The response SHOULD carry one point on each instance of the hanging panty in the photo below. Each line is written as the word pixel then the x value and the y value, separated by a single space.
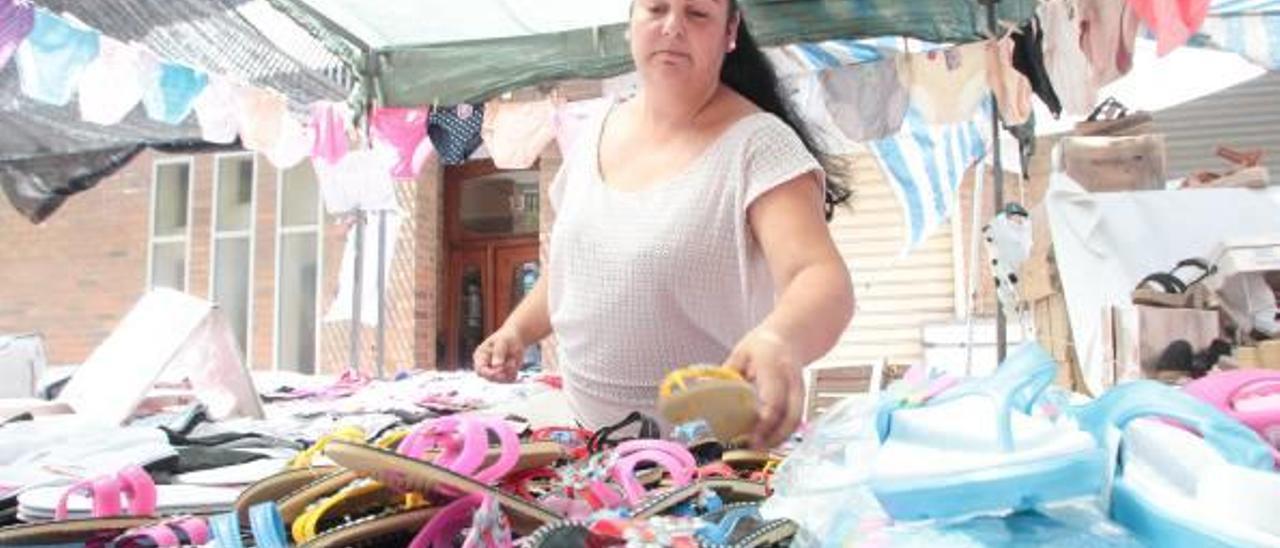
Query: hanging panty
pixel 16 20
pixel 516 132
pixel 1108 29
pixel 946 85
pixel 1172 21
pixel 806 94
pixel 403 130
pixel 329 124
pixel 258 113
pixel 455 132
pixel 1028 59
pixel 292 146
pixel 866 101
pixel 360 181
pixel 1013 91
pixel 114 82
pixel 174 94
pixel 1025 133
pixel 572 117
pixel 216 111
pixel 1067 65
pixel 53 57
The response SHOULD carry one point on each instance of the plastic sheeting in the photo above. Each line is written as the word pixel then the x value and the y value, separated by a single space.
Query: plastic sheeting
pixel 483 52
pixel 48 153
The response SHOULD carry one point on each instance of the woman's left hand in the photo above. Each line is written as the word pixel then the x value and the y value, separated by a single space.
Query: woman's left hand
pixel 765 359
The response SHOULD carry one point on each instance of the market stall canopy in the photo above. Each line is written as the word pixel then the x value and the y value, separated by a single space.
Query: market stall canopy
pixel 48 152
pixel 435 52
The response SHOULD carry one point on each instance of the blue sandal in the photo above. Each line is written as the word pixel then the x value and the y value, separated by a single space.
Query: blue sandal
pixel 1136 499
pixel 978 447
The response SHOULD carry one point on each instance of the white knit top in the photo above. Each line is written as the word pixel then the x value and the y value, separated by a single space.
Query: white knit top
pixel 643 282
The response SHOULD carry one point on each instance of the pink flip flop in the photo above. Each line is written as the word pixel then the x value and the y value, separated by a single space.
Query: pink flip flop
pixel 1247 395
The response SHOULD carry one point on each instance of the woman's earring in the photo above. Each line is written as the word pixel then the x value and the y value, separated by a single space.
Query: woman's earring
pixel 733 46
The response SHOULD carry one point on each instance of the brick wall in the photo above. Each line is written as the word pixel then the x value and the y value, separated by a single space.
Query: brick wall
pixel 75 276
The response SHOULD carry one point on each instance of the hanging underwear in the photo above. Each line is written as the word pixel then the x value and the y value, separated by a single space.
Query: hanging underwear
pixel 517 132
pixel 1066 63
pixel 174 94
pixel 1012 90
pixel 867 101
pixel 216 111
pixel 455 132
pixel 329 129
pixel 1173 21
pixel 808 99
pixel 1108 30
pixel 1028 58
pixel 114 82
pixel 571 118
pixel 259 113
pixel 53 57
pixel 946 85
pixel 16 22
pixel 293 144
pixel 404 130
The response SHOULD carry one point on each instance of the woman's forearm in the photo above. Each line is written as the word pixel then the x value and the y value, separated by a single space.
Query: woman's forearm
pixel 813 310
pixel 532 318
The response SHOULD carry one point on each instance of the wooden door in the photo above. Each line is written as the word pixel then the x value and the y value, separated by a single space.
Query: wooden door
pixel 515 270
pixel 469 316
pixel 491 229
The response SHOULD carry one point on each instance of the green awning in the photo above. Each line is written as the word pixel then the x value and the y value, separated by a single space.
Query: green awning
pixel 442 52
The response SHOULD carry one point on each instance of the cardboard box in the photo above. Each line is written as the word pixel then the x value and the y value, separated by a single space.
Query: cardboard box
pixel 1134 337
pixel 1258 254
pixel 1115 164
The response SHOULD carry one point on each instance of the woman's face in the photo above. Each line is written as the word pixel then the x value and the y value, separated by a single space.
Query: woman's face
pixel 678 42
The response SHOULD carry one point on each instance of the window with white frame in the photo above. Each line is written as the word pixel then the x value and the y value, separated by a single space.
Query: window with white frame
pixel 298 256
pixel 170 214
pixel 232 270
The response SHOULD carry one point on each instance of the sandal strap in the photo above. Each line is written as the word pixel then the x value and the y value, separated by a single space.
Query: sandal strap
pixel 1168 282
pixel 103 491
pixel 440 531
pixel 648 430
pixel 225 529
pixel 138 489
pixel 267 525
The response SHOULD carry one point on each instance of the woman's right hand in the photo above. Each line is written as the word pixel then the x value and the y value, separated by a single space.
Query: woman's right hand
pixel 500 356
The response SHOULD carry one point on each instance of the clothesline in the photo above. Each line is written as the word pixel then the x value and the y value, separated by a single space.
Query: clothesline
pixel 924 155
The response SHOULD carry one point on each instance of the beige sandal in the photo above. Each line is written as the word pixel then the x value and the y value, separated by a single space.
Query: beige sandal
pixel 717 395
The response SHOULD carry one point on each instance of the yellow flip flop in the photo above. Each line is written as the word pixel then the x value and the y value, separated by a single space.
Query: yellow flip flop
pixel 715 394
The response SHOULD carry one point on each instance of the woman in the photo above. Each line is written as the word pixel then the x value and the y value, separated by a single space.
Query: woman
pixel 689 229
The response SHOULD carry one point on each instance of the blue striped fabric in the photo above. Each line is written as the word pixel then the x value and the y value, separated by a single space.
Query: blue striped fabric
pixel 1238 7
pixel 1254 37
pixel 925 164
pixel 1250 28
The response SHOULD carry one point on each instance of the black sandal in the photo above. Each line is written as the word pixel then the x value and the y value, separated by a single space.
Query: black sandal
pixel 603 438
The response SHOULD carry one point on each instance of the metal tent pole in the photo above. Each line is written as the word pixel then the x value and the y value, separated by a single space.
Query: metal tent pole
pixel 997 179
pixel 356 291
pixel 382 289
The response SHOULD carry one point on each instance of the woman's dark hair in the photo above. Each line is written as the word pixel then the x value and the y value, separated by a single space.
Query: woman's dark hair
pixel 747 71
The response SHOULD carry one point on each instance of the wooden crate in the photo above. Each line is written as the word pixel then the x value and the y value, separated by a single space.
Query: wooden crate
pixel 1041 288
pixel 1053 332
pixel 829 385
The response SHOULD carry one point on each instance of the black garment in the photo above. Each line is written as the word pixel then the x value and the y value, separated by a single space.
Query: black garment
pixel 232 440
pixel 1028 58
pixel 454 135
pixel 1025 133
